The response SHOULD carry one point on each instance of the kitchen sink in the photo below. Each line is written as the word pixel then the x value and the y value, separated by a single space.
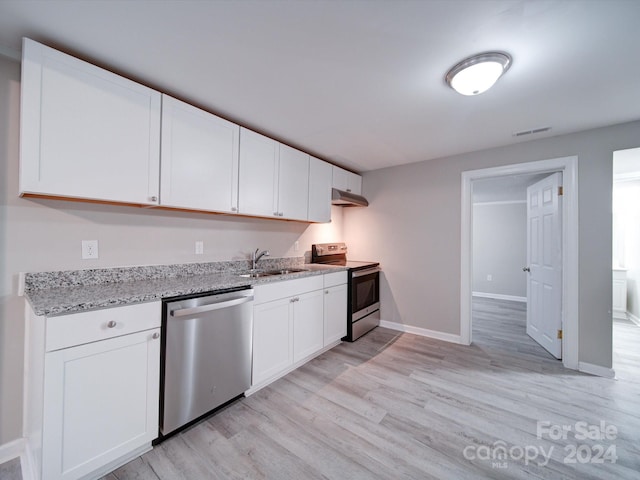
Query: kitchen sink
pixel 271 273
pixel 285 271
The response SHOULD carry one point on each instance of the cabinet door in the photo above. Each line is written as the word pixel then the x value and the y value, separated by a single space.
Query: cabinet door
pixel 272 339
pixel 354 183
pixel 335 313
pixel 308 330
pixel 320 181
pixel 100 403
pixel 86 132
pixel 293 183
pixel 199 167
pixel 258 187
pixel 347 181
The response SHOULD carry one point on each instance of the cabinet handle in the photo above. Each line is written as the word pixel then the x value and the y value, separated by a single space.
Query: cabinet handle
pixel 234 209
pixel 154 199
pixel 275 214
pixel 326 292
pixel 348 190
pixel 111 324
pixel 155 336
pixel 280 214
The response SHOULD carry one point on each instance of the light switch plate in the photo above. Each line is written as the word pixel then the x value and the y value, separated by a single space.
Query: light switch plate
pixel 199 247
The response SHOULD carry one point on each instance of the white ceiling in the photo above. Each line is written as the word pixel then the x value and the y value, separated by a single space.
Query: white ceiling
pixel 360 83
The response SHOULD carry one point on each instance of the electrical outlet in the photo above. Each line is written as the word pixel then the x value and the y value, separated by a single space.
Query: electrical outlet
pixel 489 278
pixel 199 247
pixel 89 249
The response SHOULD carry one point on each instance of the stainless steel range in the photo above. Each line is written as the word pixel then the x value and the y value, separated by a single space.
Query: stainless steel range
pixel 363 312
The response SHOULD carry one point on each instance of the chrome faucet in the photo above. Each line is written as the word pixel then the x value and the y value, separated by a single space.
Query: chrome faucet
pixel 257 256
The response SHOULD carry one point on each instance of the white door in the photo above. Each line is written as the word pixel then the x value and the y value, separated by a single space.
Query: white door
pixel 86 132
pixel 335 313
pixel 544 252
pixel 293 183
pixel 308 324
pixel 100 403
pixel 258 187
pixel 199 167
pixel 320 179
pixel 272 339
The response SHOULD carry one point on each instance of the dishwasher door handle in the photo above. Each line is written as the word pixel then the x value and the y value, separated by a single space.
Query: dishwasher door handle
pixel 208 308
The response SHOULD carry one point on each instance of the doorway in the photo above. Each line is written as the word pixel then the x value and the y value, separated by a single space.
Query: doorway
pixel 568 167
pixel 626 260
pixel 516 260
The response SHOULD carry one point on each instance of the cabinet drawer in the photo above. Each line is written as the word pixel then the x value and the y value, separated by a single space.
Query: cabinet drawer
pixel 288 288
pixel 79 328
pixel 333 279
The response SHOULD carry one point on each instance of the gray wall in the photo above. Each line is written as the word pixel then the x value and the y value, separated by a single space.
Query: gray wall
pixel 500 248
pixel 42 235
pixel 413 227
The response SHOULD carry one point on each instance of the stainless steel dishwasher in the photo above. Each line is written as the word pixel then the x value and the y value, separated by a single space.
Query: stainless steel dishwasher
pixel 206 359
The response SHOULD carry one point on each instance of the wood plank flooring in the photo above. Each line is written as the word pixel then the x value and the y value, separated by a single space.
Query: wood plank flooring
pixel 399 406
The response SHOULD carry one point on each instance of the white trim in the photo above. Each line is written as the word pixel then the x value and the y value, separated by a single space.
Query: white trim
pixel 626 177
pixel 423 332
pixel 504 202
pixel 633 318
pixel 570 300
pixel 11 450
pixel 597 370
pixel 499 296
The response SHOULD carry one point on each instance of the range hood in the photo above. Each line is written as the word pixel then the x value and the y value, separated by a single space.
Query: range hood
pixel 347 199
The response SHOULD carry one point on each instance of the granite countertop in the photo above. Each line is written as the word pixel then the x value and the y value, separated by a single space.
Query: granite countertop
pixel 71 298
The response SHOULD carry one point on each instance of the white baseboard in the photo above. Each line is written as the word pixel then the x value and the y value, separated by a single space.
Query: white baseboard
pixel 423 332
pixel 597 370
pixel 499 296
pixel 633 318
pixel 11 450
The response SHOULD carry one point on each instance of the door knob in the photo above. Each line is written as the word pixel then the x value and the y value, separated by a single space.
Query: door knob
pixel 526 269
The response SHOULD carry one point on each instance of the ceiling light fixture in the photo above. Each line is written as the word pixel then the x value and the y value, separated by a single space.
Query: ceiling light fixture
pixel 478 73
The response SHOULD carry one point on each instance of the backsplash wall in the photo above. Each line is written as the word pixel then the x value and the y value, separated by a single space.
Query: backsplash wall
pixel 45 235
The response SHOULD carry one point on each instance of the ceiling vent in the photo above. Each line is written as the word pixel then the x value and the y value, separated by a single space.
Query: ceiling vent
pixel 522 133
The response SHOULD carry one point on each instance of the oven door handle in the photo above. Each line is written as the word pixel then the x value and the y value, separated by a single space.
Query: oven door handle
pixel 362 273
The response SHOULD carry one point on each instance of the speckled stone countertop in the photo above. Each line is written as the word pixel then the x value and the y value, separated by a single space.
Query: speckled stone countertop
pixel 57 293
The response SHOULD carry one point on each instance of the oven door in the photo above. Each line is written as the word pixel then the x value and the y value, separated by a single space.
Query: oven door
pixel 365 292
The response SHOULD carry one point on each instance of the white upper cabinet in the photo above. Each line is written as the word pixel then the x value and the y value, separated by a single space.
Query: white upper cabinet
pixel 347 181
pixel 86 132
pixel 293 184
pixel 258 186
pixel 199 159
pixel 274 178
pixel 320 182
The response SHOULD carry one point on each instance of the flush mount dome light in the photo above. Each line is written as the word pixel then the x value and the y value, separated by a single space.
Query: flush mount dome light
pixel 478 73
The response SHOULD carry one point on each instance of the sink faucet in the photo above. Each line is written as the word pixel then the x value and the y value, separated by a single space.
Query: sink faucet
pixel 257 256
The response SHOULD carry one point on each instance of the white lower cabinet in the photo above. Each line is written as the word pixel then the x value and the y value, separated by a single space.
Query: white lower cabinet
pixel 289 324
pixel 272 339
pixel 99 400
pixel 308 324
pixel 335 313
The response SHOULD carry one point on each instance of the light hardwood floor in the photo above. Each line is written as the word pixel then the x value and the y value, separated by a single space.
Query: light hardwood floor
pixel 393 406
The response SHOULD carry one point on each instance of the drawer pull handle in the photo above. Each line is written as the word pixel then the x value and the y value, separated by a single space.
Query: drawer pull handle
pixel 111 324
pixel 155 336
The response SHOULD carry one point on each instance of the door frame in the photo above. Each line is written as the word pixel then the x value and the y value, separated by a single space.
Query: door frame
pixel 570 301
